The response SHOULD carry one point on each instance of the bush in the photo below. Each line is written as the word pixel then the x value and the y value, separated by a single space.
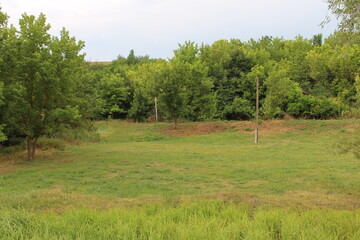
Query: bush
pixel 86 132
pixel 140 107
pixel 240 109
pixel 352 113
pixel 51 143
pixel 313 107
pixel 11 149
pixel 349 146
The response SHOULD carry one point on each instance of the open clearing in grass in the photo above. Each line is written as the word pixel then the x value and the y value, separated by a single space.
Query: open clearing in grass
pixel 294 161
pixel 139 166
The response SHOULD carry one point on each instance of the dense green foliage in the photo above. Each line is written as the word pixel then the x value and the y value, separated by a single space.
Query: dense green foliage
pixel 303 78
pixel 43 86
pixel 347 12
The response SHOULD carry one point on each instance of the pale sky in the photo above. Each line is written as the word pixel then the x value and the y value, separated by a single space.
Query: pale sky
pixel 155 27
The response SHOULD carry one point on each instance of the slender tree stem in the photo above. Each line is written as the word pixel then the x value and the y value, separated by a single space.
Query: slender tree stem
pixel 257 111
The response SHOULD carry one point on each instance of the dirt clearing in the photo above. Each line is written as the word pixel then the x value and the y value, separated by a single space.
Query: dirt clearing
pixel 204 128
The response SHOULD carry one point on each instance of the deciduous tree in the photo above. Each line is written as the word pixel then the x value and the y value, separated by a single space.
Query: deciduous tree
pixel 347 12
pixel 44 79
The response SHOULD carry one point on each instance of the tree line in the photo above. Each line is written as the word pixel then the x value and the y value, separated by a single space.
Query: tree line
pixel 304 78
pixel 47 86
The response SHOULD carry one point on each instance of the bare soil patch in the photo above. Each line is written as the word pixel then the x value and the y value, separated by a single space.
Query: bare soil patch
pixel 204 128
pixel 195 129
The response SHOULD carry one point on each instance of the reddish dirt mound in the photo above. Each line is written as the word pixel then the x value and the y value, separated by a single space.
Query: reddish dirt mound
pixel 195 129
pixel 268 127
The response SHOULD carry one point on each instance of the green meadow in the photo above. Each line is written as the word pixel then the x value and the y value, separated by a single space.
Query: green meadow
pixel 202 181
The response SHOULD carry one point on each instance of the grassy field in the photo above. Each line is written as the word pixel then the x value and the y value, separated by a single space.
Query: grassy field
pixel 202 181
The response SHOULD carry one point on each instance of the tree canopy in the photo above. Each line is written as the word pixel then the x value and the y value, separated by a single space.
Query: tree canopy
pixel 347 12
pixel 40 76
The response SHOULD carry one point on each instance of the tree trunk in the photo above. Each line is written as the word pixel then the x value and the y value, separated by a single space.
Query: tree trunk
pixel 257 112
pixel 28 146
pixel 175 123
pixel 31 148
pixel 34 148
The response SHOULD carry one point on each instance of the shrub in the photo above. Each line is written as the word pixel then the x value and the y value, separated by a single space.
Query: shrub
pixel 240 109
pixel 349 146
pixel 84 132
pixel 313 107
pixel 140 107
pixel 45 143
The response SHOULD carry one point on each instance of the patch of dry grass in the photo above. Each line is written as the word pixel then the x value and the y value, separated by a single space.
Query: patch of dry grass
pixel 266 128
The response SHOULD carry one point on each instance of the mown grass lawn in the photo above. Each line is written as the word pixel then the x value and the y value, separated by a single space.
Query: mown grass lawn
pixel 292 176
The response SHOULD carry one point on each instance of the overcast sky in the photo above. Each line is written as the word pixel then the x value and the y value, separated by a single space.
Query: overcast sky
pixel 155 27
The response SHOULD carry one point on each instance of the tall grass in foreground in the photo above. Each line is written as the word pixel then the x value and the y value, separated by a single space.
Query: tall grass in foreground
pixel 196 220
